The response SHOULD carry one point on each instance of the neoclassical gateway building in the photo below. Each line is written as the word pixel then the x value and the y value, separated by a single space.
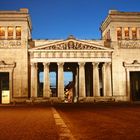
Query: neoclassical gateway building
pixel 101 70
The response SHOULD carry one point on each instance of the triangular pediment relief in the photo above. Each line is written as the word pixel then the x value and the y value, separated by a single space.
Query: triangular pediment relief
pixel 71 44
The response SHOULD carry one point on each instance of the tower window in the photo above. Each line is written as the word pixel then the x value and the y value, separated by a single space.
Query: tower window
pixel 126 33
pixel 10 32
pixel 18 32
pixel 134 33
pixel 2 32
pixel 119 33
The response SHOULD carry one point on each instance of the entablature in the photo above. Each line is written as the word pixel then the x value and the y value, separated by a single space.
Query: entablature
pixel 71 54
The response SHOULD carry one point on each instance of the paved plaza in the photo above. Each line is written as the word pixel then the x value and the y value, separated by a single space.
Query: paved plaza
pixel 102 121
pixel 27 123
pixel 70 122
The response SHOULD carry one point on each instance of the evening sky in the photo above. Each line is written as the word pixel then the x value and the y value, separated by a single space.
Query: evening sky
pixel 57 19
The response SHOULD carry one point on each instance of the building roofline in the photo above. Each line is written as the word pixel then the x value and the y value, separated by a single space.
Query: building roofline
pixel 12 15
pixel 119 16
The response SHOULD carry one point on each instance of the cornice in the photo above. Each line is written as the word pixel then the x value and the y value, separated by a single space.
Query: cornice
pixel 117 16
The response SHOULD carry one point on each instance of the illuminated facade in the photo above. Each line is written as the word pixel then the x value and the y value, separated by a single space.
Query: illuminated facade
pixel 101 70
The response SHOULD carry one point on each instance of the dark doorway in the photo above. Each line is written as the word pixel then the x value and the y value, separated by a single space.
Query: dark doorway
pixel 135 86
pixel 4 83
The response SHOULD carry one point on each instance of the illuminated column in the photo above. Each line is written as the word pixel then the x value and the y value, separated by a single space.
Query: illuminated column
pixel 76 85
pixel 14 32
pixel 82 92
pixel 103 78
pixel 46 86
pixel 34 80
pixel 123 34
pixel 106 73
pixel 108 80
pixel 137 33
pixel 130 33
pixel 6 33
pixel 96 88
pixel 60 86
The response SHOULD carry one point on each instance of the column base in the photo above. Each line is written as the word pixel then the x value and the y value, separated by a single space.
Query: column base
pixel 81 99
pixel 47 100
pixel 55 100
pixel 99 99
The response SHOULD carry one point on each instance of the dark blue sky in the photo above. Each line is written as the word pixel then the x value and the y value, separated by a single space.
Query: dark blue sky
pixel 57 19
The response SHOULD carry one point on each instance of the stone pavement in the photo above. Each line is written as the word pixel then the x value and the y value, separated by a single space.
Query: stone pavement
pixel 70 122
pixel 63 131
pixel 32 122
pixel 104 121
pixel 27 123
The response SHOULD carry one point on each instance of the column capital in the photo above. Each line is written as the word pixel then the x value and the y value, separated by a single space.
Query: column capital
pixel 46 64
pixel 34 64
pixel 60 63
pixel 81 63
pixel 95 64
pixel 108 64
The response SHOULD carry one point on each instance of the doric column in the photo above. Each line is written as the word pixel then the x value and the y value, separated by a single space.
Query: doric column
pixel 34 80
pixel 46 86
pixel 96 88
pixel 106 74
pixel 82 92
pixel 108 79
pixel 60 83
pixel 76 85
pixel 103 78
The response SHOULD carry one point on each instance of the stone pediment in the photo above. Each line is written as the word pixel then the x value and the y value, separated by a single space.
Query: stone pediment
pixel 71 44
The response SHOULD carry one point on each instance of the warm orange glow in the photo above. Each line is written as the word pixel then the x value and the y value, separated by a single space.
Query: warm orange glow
pixel 2 32
pixel 134 33
pixel 119 29
pixel 126 29
pixel 10 28
pixel 10 32
pixel 18 32
pixel 119 33
pixel 126 32
pixel 134 29
pixel 18 28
